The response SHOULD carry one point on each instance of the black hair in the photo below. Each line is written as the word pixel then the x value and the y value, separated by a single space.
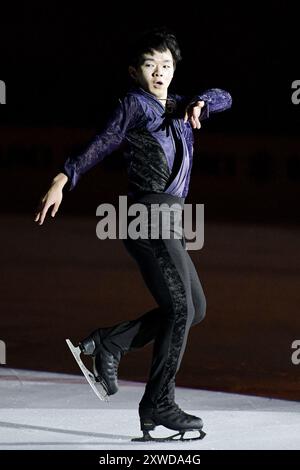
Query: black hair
pixel 159 39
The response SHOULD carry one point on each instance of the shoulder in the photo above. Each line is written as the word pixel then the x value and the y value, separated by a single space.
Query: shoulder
pixel 130 99
pixel 130 104
pixel 129 110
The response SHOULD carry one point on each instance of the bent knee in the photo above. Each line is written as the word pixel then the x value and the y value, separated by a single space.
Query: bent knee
pixel 200 312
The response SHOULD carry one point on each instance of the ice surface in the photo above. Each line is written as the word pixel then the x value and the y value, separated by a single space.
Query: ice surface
pixel 40 410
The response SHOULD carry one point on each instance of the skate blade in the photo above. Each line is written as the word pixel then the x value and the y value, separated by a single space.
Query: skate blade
pixel 96 386
pixel 174 437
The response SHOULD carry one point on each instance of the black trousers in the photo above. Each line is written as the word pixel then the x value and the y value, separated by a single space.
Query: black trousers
pixel 172 279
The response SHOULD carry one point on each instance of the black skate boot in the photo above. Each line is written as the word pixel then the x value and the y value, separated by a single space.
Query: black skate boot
pixel 167 413
pixel 172 417
pixel 105 364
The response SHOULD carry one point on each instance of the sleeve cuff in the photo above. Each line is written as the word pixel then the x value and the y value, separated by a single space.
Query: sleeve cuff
pixel 69 184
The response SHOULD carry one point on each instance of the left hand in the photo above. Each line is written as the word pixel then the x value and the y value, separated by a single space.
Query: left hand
pixel 193 112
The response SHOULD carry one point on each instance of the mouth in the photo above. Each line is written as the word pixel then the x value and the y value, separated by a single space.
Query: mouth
pixel 158 83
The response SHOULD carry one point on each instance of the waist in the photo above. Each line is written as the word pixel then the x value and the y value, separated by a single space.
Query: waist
pixel 159 198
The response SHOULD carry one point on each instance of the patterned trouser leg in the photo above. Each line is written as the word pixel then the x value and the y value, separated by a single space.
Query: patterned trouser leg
pixel 171 277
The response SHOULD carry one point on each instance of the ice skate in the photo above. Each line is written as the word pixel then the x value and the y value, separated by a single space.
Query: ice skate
pixel 98 386
pixel 171 417
pixel 105 364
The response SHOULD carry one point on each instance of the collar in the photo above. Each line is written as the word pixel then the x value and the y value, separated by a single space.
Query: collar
pixel 150 96
pixel 170 102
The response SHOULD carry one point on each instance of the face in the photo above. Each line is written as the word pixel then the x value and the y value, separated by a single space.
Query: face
pixel 155 73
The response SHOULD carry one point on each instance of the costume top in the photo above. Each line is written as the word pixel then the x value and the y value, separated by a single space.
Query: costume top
pixel 157 145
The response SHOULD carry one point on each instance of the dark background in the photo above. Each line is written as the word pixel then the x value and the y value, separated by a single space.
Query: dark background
pixel 64 66
pixel 60 58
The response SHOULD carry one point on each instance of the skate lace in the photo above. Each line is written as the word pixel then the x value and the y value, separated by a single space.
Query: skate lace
pixel 116 365
pixel 171 406
pixel 116 362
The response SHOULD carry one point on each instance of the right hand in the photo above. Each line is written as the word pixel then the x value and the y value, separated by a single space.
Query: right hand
pixel 52 198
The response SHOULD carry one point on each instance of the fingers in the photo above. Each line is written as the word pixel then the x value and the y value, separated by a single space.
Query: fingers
pixel 37 215
pixel 55 209
pixel 193 114
pixel 200 105
pixel 52 198
pixel 41 213
pixel 195 122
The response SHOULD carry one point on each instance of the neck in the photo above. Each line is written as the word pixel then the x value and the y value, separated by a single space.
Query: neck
pixel 163 101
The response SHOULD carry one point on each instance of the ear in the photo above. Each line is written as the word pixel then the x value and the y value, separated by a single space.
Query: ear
pixel 132 72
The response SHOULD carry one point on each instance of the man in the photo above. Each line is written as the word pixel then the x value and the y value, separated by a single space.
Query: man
pixel 155 128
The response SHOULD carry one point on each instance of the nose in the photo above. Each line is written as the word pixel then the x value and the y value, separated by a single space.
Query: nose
pixel 158 72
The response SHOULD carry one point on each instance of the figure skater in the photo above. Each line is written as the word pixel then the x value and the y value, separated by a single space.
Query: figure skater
pixel 155 129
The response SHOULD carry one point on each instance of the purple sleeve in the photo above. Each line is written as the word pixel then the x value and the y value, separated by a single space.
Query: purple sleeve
pixel 125 116
pixel 216 100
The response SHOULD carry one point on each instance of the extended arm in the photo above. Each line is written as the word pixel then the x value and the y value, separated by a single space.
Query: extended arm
pixel 201 106
pixel 126 115
pixel 215 101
